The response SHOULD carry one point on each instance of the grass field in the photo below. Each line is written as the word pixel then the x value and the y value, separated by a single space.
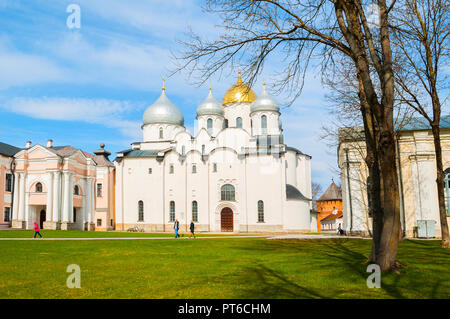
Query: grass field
pixel 217 268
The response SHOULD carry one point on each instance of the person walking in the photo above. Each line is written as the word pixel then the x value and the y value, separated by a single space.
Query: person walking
pixel 192 227
pixel 176 226
pixel 36 230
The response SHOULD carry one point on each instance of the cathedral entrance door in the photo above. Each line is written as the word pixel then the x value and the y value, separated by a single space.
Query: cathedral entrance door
pixel 226 220
pixel 42 219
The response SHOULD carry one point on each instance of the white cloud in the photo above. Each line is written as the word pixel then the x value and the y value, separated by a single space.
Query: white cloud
pixel 109 113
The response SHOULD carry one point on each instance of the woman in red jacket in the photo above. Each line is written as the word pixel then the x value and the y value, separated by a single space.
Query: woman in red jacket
pixel 36 230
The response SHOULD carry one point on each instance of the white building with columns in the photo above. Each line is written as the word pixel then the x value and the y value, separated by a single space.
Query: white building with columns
pixel 234 175
pixel 419 213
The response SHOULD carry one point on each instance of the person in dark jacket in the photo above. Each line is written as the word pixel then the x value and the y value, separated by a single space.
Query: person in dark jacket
pixel 176 226
pixel 192 227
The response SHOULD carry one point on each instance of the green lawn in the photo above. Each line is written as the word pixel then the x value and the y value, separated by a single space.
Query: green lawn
pixel 217 268
pixel 94 234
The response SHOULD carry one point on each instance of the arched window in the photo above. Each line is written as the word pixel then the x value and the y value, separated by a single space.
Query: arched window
pixel 171 169
pixel 260 211
pixel 447 190
pixel 38 188
pixel 161 133
pixel 225 124
pixel 239 122
pixel 194 211
pixel 227 192
pixel 209 125
pixel 264 124
pixel 140 211
pixel 183 150
pixel 76 190
pixel 172 211
pixel 203 149
pixel 194 169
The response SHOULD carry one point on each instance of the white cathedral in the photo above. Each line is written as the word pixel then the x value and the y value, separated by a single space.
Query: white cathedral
pixel 235 175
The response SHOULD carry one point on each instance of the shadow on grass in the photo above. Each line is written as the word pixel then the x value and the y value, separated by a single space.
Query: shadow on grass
pixel 266 282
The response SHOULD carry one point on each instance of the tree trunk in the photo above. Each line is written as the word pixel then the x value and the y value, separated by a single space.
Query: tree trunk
pixel 387 253
pixel 440 185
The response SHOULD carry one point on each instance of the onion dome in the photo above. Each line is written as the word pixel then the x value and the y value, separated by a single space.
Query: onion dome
pixel 264 102
pixel 239 93
pixel 210 106
pixel 163 111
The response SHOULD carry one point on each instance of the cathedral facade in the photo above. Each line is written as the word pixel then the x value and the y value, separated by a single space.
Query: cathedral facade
pixel 234 175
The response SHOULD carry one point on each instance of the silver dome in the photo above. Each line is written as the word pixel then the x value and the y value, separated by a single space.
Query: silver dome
pixel 163 111
pixel 264 102
pixel 210 106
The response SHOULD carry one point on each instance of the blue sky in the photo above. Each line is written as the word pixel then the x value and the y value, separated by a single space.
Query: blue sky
pixel 85 86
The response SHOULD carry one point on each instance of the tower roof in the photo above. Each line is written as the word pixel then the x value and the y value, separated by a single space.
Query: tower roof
pixel 264 102
pixel 239 93
pixel 210 106
pixel 333 192
pixel 163 111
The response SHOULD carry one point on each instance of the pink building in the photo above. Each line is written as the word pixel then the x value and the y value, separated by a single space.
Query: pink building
pixel 62 187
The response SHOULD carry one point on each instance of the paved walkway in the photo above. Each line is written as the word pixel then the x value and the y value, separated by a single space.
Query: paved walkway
pixel 135 238
pixel 324 236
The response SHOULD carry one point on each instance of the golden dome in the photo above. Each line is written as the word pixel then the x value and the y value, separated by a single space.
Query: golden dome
pixel 239 93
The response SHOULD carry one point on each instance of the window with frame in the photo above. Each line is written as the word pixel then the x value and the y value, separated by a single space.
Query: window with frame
pixel 260 211
pixel 99 222
pixel 225 123
pixel 112 222
pixel 239 122
pixel 203 149
pixel 99 190
pixel 7 214
pixel 183 150
pixel 194 211
pixel 172 212
pixel 38 188
pixel 140 211
pixel 447 190
pixel 263 124
pixel 76 190
pixel 228 192
pixel 171 169
pixel 209 125
pixel 161 133
pixel 194 169
pixel 150 171
pixel 8 182
pixel 215 167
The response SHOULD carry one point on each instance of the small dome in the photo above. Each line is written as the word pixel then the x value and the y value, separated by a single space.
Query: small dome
pixel 264 102
pixel 210 106
pixel 239 93
pixel 163 111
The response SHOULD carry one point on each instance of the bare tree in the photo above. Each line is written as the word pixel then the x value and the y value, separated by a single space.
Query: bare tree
pixel 421 32
pixel 305 29
pixel 316 190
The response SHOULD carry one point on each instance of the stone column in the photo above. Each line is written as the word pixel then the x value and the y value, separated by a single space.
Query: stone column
pixel 16 197
pixel 71 198
pixel 22 197
pixel 49 208
pixel 65 212
pixel 56 217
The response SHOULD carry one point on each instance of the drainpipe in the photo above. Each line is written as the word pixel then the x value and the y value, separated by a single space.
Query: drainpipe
pixel 402 200
pixel 13 170
pixel 349 190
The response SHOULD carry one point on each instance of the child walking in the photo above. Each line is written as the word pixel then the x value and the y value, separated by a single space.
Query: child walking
pixel 36 230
